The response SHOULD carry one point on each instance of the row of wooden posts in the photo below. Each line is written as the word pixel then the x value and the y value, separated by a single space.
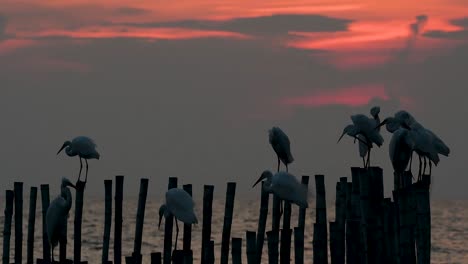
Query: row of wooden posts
pixel 368 228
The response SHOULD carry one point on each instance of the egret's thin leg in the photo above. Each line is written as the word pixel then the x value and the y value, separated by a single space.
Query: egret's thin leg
pixel 86 178
pixel 177 232
pixel 81 168
pixel 278 163
pixel 368 157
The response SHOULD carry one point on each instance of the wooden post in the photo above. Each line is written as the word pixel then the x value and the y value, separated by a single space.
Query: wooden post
pixel 31 225
pixel 272 237
pixel 340 219
pixel 119 180
pixel 334 242
pixel 423 241
pixel 178 257
pixel 207 215
pixel 275 223
pixel 228 209
pixel 251 247
pixel 376 200
pixel 364 189
pixel 168 226
pixel 285 244
pixel 18 189
pixel 236 250
pixel 395 224
pixel 187 228
pixel 79 197
pixel 320 227
pixel 140 219
pixel 156 258
pixel 302 210
pixel 299 245
pixel 262 222
pixel 210 253
pixel 353 221
pixel 45 205
pixel 107 220
pixel 388 237
pixel 9 197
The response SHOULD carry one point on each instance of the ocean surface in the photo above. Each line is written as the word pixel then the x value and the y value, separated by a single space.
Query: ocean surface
pixel 449 229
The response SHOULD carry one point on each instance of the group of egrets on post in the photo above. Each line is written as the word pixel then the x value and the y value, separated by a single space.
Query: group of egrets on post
pixel 408 136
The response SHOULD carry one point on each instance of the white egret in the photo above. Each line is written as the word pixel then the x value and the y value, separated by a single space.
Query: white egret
pixel 281 145
pixel 285 186
pixel 400 150
pixel 57 215
pixel 366 127
pixel 179 204
pixel 363 147
pixel 84 148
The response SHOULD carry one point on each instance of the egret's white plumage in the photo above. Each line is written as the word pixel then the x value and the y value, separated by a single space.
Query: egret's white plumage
pixel 57 215
pixel 281 145
pixel 285 186
pixel 400 149
pixel 84 148
pixel 363 143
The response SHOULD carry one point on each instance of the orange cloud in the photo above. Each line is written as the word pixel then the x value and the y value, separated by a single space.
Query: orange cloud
pixel 352 96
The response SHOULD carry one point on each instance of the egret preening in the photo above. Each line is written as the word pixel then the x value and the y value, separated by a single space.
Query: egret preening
pixel 365 126
pixel 281 145
pixel 57 215
pixel 180 205
pixel 363 143
pixel 84 148
pixel 285 186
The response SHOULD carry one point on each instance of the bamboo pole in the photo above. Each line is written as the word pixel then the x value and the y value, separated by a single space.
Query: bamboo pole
pixel 251 247
pixel 272 237
pixel 156 258
pixel 236 250
pixel 9 198
pixel 107 220
pixel 79 198
pixel 31 225
pixel 45 205
pixel 168 226
pixel 18 189
pixel 207 216
pixel 262 222
pixel 285 244
pixel 119 180
pixel 299 245
pixel 320 226
pixel 228 209
pixel 187 227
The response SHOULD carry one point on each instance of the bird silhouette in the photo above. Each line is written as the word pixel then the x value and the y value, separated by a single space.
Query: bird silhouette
pixel 84 148
pixel 281 145
pixel 57 215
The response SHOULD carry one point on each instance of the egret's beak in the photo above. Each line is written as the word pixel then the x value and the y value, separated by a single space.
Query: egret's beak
pixel 341 137
pixel 63 146
pixel 263 176
pixel 385 121
pixel 160 218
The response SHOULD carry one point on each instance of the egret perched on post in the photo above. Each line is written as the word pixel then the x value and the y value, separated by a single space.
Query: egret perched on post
pixel 400 150
pixel 363 147
pixel 57 215
pixel 281 145
pixel 179 204
pixel 84 148
pixel 366 127
pixel 285 186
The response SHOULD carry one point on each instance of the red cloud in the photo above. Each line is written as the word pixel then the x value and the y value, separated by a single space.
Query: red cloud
pixel 352 96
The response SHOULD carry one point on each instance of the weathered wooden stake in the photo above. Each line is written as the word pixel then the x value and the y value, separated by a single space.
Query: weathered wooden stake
pixel 156 258
pixel 45 205
pixel 262 222
pixel 168 226
pixel 340 220
pixel 275 223
pixel 364 189
pixel 299 245
pixel 107 220
pixel 285 244
pixel 207 216
pixel 31 225
pixel 9 197
pixel 236 250
pixel 334 242
pixel 178 257
pixel 119 180
pixel 273 240
pixel 423 241
pixel 140 219
pixel 228 209
pixel 18 189
pixel 187 246
pixel 79 197
pixel 320 227
pixel 251 247
pixel 210 253
pixel 302 211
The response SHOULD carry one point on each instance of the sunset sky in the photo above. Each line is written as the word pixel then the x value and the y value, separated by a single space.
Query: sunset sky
pixel 190 88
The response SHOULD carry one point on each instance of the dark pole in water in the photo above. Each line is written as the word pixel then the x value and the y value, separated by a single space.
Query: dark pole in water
pixel 423 241
pixel 18 188
pixel 79 197
pixel 228 209
pixel 31 225
pixel 207 215
pixel 236 250
pixel 168 228
pixel 139 221
pixel 275 225
pixel 299 245
pixel 107 220
pixel 262 222
pixel 340 218
pixel 187 243
pixel 272 237
pixel 251 247
pixel 334 254
pixel 364 190
pixel 320 227
pixel 156 258
pixel 302 210
pixel 285 244
pixel 9 197
pixel 45 205
pixel 119 180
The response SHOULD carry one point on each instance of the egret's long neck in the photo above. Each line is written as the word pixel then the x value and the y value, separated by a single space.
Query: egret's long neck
pixel 66 194
pixel 377 120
